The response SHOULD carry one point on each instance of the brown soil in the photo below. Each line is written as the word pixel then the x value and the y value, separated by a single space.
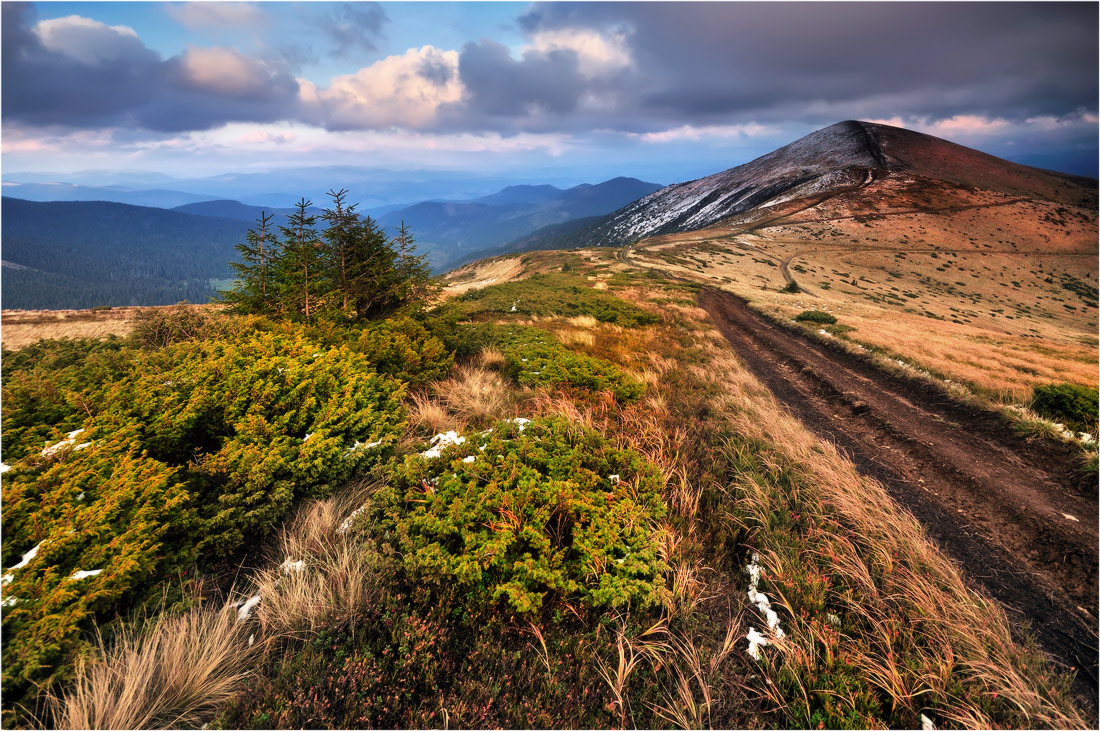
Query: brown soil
pixel 995 502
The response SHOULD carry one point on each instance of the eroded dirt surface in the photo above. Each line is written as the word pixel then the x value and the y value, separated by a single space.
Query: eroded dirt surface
pixel 1014 515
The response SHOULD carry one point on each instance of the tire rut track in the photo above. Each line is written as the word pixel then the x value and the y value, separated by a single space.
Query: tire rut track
pixel 992 501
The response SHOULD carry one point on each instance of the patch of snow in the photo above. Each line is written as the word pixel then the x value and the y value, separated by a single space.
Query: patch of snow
pixel 246 609
pixel 763 605
pixel 514 306
pixel 306 437
pixel 347 521
pixel 68 441
pixel 469 460
pixel 10 601
pixel 80 498
pixel 251 640
pixel 289 566
pixel 440 442
pixel 756 641
pixel 4 468
pixel 82 574
pixel 521 422
pixel 614 479
pixel 27 558
pixel 79 447
pixel 926 723
pixel 1067 516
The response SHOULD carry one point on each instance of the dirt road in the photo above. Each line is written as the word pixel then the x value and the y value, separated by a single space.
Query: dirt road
pixel 1013 515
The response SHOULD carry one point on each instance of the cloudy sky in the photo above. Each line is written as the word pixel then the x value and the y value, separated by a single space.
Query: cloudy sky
pixel 661 91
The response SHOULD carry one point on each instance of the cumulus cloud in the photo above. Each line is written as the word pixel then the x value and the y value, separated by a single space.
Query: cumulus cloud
pixel 598 54
pixel 398 91
pixel 723 63
pixel 227 72
pixel 89 41
pixel 78 72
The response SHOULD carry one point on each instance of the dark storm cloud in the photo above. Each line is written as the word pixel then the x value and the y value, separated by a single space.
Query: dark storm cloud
pixel 351 27
pixel 497 84
pixel 83 74
pixel 708 62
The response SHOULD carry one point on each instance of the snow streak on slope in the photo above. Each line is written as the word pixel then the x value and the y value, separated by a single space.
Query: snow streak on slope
pixel 700 203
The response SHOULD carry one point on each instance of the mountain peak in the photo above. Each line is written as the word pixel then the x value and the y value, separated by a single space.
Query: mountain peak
pixel 841 158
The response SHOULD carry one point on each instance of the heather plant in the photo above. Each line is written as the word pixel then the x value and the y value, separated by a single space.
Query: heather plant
pixel 527 513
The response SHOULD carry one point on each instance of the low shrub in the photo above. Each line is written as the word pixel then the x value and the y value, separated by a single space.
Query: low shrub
pixel 791 287
pixel 404 348
pixel 188 453
pixel 816 316
pixel 560 294
pixel 1075 406
pixel 535 358
pixel 530 511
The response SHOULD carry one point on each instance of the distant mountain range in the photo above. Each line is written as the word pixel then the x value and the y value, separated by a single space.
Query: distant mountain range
pixel 375 189
pixel 76 254
pixel 452 231
pixel 68 254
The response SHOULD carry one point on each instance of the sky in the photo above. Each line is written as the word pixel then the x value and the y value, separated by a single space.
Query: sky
pixel 564 91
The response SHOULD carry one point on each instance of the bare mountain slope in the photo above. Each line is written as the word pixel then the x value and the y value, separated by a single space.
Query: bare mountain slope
pixel 837 160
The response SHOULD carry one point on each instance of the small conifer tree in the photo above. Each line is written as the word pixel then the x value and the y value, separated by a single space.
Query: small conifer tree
pixel 256 288
pixel 303 282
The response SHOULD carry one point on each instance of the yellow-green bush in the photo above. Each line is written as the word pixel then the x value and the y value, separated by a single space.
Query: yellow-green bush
pixel 543 509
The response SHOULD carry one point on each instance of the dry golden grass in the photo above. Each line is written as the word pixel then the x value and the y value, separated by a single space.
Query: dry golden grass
pixel 482 274
pixel 981 297
pixel 324 576
pixel 474 393
pixel 585 321
pixel 21 328
pixel 173 673
pixel 577 337
pixel 491 358
pixel 427 414
pixel 915 589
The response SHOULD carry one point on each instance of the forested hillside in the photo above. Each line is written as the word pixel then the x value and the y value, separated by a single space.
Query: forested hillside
pixel 87 254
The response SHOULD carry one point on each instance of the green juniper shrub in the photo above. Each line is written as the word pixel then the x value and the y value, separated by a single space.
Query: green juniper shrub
pixel 815 316
pixel 404 348
pixel 561 293
pixel 103 508
pixel 791 288
pixel 534 357
pixel 53 386
pixel 195 450
pixel 1075 406
pixel 527 512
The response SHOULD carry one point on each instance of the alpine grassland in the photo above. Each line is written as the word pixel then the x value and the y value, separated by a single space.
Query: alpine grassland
pixel 557 500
